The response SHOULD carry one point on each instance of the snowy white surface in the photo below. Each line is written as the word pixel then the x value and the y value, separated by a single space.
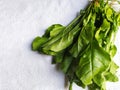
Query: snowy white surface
pixel 20 22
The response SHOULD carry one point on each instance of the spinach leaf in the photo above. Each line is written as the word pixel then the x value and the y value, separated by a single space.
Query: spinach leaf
pixel 84 49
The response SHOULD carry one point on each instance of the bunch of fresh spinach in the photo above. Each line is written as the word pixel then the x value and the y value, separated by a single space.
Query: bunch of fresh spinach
pixel 85 48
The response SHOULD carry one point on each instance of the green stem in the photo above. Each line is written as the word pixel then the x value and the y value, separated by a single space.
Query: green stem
pixel 70 87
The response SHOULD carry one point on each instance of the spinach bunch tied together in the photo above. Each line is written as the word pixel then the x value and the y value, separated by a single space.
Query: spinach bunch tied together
pixel 84 49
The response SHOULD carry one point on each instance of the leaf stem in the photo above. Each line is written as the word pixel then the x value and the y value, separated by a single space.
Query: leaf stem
pixel 70 87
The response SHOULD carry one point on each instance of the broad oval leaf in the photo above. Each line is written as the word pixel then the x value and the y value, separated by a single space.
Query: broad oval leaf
pixel 92 61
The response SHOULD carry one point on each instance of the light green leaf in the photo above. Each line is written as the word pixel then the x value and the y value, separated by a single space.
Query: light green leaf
pixel 56 29
pixel 53 30
pixel 113 50
pixel 100 80
pixel 92 61
pixel 118 19
pixel 63 42
pixel 102 32
pixel 38 42
pixel 109 13
pixel 84 37
pixel 110 77
pixel 113 67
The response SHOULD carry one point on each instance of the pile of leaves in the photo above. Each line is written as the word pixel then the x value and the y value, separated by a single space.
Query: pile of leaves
pixel 84 49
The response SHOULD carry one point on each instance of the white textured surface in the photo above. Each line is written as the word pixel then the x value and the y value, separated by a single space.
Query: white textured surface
pixel 20 22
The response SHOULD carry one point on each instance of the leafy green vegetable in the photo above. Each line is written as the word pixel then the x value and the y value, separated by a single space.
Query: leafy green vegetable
pixel 91 63
pixel 85 48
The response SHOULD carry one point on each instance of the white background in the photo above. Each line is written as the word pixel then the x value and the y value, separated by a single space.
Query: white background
pixel 20 22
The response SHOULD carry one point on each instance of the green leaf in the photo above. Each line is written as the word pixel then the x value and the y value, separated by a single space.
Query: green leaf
pixel 56 30
pixel 58 58
pixel 110 77
pixel 53 30
pixel 100 80
pixel 92 61
pixel 84 37
pixel 38 42
pixel 81 43
pixel 109 13
pixel 68 34
pixel 70 74
pixel 50 32
pixel 102 32
pixel 93 86
pixel 113 50
pixel 65 64
pixel 113 67
pixel 118 19
pixel 63 42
